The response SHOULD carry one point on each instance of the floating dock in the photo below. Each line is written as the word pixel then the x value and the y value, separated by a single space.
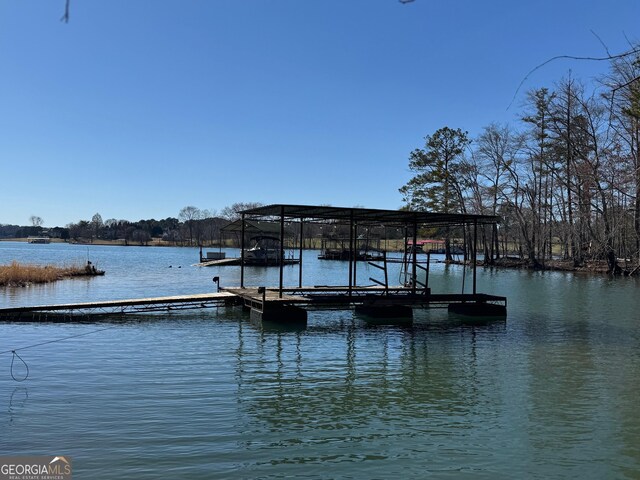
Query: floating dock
pixel 120 307
pixel 336 297
pixel 260 300
pixel 224 262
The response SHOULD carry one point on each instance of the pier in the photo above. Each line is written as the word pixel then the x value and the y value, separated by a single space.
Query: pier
pixel 373 297
pixel 69 311
pixel 292 304
pixel 258 299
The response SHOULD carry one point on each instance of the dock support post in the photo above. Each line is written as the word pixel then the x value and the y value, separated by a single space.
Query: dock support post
pixel 414 258
pixel 281 250
pixel 473 255
pixel 350 252
pixel 405 255
pixel 426 282
pixel 242 252
pixel 300 253
pixel 356 250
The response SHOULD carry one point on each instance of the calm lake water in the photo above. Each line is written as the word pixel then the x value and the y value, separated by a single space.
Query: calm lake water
pixel 552 392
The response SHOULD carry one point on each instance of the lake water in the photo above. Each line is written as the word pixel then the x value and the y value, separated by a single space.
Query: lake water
pixel 552 392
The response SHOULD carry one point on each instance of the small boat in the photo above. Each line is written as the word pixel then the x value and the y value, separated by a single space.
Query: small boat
pixel 334 248
pixel 265 251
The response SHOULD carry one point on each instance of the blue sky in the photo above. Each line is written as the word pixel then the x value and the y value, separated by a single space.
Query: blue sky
pixel 136 109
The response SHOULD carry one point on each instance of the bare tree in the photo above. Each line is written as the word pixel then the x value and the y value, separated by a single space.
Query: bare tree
pixel 496 150
pixel 36 221
pixel 623 96
pixel 631 53
pixel 188 215
pixel 96 224
pixel 232 212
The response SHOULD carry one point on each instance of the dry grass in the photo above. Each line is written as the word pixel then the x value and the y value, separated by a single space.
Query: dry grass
pixel 19 275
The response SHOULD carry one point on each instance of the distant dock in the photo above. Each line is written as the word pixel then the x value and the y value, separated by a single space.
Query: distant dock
pixel 38 239
pixel 224 262
pixel 219 259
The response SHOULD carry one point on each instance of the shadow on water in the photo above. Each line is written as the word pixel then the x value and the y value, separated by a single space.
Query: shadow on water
pixel 479 321
pixel 268 326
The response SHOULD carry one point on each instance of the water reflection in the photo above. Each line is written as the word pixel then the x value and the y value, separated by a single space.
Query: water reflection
pixel 550 393
pixel 370 385
pixel 17 401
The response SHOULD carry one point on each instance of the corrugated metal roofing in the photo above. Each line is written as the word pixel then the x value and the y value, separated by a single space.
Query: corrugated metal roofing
pixel 365 215
pixel 252 227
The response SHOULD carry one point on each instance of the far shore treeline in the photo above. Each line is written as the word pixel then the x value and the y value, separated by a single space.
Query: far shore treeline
pixel 192 226
pixel 564 181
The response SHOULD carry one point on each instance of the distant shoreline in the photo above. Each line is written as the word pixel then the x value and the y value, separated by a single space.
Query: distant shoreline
pixel 116 243
pixel 508 262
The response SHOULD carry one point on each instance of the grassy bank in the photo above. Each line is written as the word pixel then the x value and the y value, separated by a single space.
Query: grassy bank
pixel 19 275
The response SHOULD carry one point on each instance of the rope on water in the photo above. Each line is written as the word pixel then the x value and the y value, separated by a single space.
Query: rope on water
pixel 15 354
pixel 25 365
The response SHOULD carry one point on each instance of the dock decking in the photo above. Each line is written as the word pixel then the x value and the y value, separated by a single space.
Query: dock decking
pixel 325 296
pixel 223 262
pixel 309 298
pixel 134 305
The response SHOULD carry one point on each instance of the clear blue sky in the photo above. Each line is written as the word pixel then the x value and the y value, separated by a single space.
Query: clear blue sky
pixel 135 109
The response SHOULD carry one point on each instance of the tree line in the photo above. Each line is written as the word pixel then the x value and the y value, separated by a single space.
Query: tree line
pixel 193 226
pixel 565 180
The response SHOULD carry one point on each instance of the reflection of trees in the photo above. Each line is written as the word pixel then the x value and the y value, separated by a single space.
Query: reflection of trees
pixel 581 400
pixel 559 391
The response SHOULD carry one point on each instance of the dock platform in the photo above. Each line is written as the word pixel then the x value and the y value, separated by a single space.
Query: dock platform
pixel 224 262
pixel 110 307
pixel 258 299
pixel 324 296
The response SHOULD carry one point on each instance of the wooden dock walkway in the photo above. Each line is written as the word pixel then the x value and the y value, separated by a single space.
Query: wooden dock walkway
pixel 134 305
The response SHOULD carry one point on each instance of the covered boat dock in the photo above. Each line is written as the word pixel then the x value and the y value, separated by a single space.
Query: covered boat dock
pixel 289 302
